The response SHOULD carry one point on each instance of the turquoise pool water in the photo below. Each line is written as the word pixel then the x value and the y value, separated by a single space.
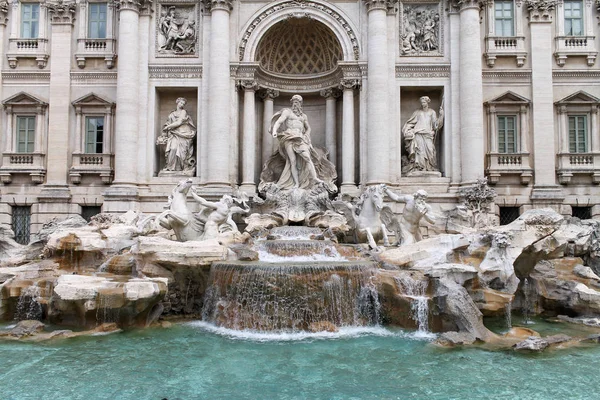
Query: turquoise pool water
pixel 195 361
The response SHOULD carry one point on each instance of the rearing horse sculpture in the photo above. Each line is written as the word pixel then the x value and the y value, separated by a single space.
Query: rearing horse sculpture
pixel 186 225
pixel 369 217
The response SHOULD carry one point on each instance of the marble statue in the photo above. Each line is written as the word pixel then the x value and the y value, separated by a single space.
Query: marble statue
pixel 368 218
pixel 420 29
pixel 419 134
pixel 408 225
pixel 178 135
pixel 178 31
pixel 213 219
pixel 296 164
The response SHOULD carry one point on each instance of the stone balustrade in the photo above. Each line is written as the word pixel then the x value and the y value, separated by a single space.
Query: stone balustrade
pixel 32 164
pixel 509 164
pixel 505 46
pixel 92 164
pixel 567 46
pixel 28 48
pixel 96 48
pixel 569 164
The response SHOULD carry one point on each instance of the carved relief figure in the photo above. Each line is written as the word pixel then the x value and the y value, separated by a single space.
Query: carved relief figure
pixel 177 29
pixel 178 138
pixel 420 29
pixel 297 164
pixel 408 225
pixel 419 134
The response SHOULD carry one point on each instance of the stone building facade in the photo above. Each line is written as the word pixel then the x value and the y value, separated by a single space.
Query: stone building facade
pixel 88 86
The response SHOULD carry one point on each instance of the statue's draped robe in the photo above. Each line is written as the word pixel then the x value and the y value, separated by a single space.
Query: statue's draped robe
pixel 278 168
pixel 180 150
pixel 419 134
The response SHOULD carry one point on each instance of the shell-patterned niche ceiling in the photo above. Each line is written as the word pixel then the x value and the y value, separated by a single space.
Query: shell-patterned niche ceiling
pixel 299 46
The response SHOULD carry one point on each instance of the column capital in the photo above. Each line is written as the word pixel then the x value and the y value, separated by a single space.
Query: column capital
pixel 133 5
pixel 61 12
pixel 247 85
pixel 460 5
pixel 385 5
pixel 3 12
pixel 330 93
pixel 540 10
pixel 562 109
pixel 226 5
pixel 269 94
pixel 349 84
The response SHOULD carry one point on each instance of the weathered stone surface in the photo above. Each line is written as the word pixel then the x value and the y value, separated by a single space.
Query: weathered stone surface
pixel 244 253
pixel 170 254
pixel 533 343
pixel 585 272
pixel 450 339
pixel 72 222
pixel 436 248
pixel 24 328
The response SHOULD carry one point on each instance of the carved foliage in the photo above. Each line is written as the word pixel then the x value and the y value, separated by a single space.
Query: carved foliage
pixel 421 29
pixel 61 12
pixel 540 10
pixel 177 30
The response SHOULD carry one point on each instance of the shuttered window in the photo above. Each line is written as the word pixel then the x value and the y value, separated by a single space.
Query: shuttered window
pixel 578 133
pixel 507 133
pixel 504 17
pixel 573 18
pixel 30 20
pixel 97 21
pixel 94 134
pixel 25 134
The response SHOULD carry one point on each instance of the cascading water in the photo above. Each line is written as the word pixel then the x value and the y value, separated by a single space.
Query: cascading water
pixel 416 290
pixel 508 315
pixel 291 296
pixel 28 306
pixel 526 302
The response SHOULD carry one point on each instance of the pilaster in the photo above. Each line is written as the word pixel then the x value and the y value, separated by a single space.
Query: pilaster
pixel 268 144
pixel 348 86
pixel 249 136
pixel 330 96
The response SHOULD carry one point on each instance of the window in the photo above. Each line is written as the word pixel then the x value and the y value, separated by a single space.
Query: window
pixel 508 215
pixel 21 220
pixel 577 133
pixel 507 133
pixel 94 134
pixel 97 21
pixel 87 212
pixel 30 20
pixel 25 134
pixel 582 212
pixel 503 16
pixel 573 18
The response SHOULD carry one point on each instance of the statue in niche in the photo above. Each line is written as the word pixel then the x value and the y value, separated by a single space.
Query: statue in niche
pixel 177 136
pixel 420 29
pixel 296 164
pixel 178 31
pixel 407 227
pixel 419 134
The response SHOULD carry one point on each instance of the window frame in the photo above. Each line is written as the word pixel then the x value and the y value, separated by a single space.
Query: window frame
pixel 30 133
pixel 586 132
pixel 515 118
pixel 581 18
pixel 86 132
pixel 89 33
pixel 504 19
pixel 21 237
pixel 22 21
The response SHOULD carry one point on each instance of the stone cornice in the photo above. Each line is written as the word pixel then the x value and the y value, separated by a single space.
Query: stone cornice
pixel 422 71
pixel 61 12
pixel 540 10
pixel 175 71
pixel 349 84
pixel 226 5
pixel 27 76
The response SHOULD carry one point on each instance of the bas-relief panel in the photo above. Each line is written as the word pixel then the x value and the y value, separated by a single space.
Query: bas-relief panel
pixel 421 28
pixel 177 29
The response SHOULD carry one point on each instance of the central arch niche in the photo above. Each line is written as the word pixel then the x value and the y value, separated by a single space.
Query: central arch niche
pixel 299 47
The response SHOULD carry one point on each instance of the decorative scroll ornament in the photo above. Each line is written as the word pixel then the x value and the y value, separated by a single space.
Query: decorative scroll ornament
pixel 61 12
pixel 3 11
pixel 386 5
pixel 247 84
pixel 349 84
pixel 459 5
pixel 269 94
pixel 540 10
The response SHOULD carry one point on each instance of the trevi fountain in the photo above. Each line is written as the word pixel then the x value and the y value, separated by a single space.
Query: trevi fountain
pixel 302 292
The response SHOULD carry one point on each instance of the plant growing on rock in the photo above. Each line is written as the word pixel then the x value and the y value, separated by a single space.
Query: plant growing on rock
pixel 478 199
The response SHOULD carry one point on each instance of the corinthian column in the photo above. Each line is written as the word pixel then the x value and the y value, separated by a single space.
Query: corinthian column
pixel 61 19
pixel 378 130
pixel 249 137
pixel 219 106
pixel 126 120
pixel 348 134
pixel 330 128
pixel 470 92
pixel 268 144
pixel 544 151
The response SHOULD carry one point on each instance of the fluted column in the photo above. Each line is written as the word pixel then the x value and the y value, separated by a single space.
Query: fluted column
pixel 544 150
pixel 348 135
pixel 268 144
pixel 61 20
pixel 249 137
pixel 378 130
pixel 126 120
pixel 219 107
pixel 470 92
pixel 330 96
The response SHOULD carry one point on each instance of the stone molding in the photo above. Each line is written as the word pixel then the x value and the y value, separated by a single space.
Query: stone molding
pixel 330 93
pixel 93 78
pixel 422 71
pixel 225 5
pixel 540 10
pixel 299 85
pixel 574 74
pixel 27 76
pixel 288 6
pixel 506 74
pixel 61 12
pixel 175 71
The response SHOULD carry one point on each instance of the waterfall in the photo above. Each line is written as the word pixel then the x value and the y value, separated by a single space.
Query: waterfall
pixel 291 296
pixel 507 314
pixel 28 306
pixel 416 291
pixel 526 302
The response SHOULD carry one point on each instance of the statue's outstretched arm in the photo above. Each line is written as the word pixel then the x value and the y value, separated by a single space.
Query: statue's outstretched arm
pixel 397 198
pixel 429 216
pixel 202 201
